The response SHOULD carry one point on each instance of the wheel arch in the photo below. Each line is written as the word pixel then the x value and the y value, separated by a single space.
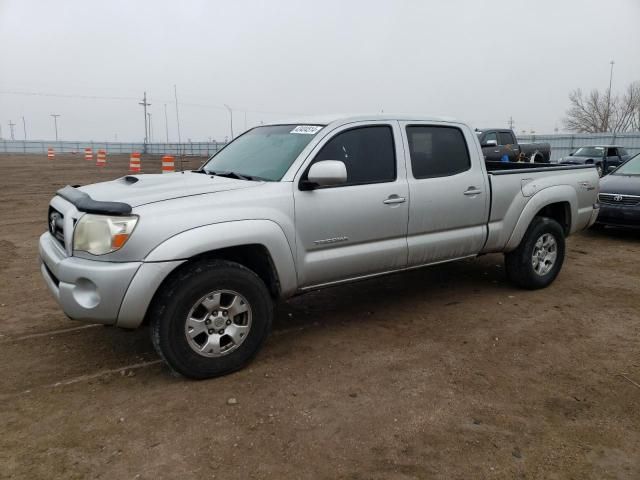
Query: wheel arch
pixel 267 254
pixel 556 202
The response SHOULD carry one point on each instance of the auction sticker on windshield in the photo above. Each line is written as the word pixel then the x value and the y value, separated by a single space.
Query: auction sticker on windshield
pixel 306 129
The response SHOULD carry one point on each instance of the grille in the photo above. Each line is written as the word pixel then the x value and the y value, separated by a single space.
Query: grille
pixel 619 199
pixel 56 225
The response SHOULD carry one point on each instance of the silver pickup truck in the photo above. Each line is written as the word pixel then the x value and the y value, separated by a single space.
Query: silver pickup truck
pixel 285 208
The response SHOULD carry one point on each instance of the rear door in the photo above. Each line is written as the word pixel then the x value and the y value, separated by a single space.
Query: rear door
pixel 613 158
pixel 358 228
pixel 449 192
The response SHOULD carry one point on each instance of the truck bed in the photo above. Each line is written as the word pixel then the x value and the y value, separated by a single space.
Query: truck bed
pixel 506 168
pixel 513 185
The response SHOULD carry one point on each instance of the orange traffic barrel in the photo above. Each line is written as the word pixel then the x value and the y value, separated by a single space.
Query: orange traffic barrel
pixel 51 154
pixel 168 165
pixel 88 154
pixel 134 162
pixel 101 160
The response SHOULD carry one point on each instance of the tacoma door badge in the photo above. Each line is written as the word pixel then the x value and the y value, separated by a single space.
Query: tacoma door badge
pixel 331 240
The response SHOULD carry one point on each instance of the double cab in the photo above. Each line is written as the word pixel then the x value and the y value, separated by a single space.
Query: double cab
pixel 202 256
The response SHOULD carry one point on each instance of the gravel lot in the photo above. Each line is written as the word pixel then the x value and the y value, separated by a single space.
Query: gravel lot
pixel 446 372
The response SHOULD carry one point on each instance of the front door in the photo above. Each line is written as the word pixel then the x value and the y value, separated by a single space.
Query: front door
pixel 449 194
pixel 358 228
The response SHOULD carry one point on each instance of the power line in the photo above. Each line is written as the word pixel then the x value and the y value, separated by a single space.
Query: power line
pixel 63 95
pixel 102 97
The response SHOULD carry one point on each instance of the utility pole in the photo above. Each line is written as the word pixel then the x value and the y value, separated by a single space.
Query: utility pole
pixel 55 123
pixel 146 131
pixel 230 118
pixel 11 125
pixel 609 95
pixel 511 123
pixel 24 128
pixel 150 129
pixel 166 123
pixel 175 93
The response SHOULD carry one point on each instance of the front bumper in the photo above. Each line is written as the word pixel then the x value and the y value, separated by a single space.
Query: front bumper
pixel 87 290
pixel 619 215
pixel 111 293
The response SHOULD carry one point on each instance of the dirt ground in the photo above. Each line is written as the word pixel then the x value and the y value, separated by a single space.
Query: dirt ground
pixel 446 372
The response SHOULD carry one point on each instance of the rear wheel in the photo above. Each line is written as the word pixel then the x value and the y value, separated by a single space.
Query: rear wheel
pixel 211 319
pixel 539 257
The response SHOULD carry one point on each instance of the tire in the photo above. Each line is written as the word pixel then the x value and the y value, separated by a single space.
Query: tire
pixel 520 265
pixel 234 339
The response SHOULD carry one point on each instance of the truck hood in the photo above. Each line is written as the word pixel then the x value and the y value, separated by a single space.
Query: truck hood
pixel 623 184
pixel 139 190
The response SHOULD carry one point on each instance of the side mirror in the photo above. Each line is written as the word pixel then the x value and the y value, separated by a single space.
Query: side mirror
pixel 327 173
pixel 611 168
pixel 490 143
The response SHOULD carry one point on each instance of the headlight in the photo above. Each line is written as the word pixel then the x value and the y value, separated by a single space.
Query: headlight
pixel 100 234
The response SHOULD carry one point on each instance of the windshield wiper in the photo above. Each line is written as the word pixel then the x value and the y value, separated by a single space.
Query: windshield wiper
pixel 239 176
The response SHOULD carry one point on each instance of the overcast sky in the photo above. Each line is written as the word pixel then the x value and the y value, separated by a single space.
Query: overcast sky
pixel 479 61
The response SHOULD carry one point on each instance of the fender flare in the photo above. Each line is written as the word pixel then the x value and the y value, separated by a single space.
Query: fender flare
pixel 175 251
pixel 269 234
pixel 543 198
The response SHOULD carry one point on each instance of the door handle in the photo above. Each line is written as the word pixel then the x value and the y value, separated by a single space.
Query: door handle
pixel 393 199
pixel 472 191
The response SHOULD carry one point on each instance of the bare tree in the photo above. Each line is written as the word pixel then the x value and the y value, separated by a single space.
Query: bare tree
pixel 597 112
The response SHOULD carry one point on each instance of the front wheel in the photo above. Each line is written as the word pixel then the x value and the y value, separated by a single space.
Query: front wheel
pixel 539 257
pixel 211 319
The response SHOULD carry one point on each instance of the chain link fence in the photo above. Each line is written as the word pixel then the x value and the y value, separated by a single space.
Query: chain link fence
pixel 199 149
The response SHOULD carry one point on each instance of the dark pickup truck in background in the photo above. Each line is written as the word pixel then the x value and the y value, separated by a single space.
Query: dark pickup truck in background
pixel 498 142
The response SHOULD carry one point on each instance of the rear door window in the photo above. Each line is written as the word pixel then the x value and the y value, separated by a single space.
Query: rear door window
pixel 506 138
pixel 437 151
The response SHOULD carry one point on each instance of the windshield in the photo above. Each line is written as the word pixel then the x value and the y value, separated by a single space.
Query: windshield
pixel 263 152
pixel 590 152
pixel 630 167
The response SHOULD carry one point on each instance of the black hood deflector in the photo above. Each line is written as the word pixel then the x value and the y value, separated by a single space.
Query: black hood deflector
pixel 85 203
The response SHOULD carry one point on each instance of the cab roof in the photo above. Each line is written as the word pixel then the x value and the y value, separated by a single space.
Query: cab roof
pixel 349 118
